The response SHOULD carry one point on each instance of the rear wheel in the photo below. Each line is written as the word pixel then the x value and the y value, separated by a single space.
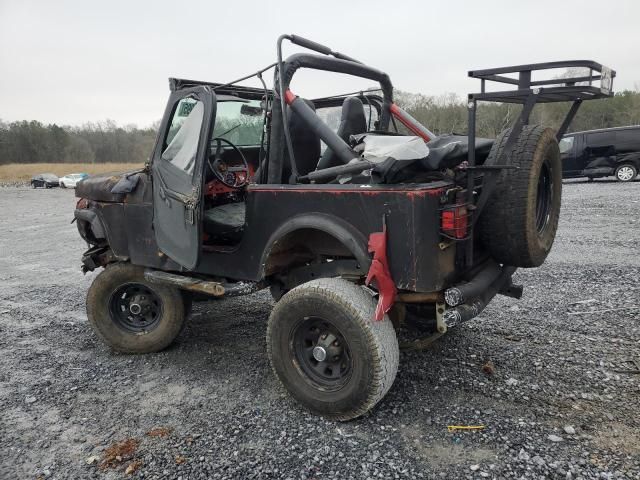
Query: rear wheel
pixel 519 223
pixel 328 351
pixel 626 172
pixel 132 315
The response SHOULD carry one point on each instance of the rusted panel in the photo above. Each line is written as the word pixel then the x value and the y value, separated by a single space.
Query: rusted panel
pixel 214 289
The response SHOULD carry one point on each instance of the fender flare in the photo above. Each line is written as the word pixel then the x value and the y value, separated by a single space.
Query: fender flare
pixel 345 233
pixel 633 158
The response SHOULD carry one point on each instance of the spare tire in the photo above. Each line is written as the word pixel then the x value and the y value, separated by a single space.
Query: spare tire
pixel 519 222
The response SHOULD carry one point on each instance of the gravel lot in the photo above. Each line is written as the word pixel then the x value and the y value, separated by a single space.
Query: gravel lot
pixel 557 405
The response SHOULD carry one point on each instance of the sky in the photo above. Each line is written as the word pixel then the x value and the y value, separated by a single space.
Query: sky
pixel 70 62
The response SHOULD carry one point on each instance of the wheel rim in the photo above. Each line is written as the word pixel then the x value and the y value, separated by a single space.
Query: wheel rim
pixel 135 307
pixel 625 173
pixel 321 353
pixel 544 198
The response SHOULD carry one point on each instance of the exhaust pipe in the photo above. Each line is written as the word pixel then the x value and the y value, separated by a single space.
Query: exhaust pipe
pixel 471 309
pixel 466 291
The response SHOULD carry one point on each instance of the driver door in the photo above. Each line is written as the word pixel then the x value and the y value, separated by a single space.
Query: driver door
pixel 177 168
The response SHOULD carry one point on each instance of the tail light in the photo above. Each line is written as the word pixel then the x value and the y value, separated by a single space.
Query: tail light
pixel 455 221
pixel 82 203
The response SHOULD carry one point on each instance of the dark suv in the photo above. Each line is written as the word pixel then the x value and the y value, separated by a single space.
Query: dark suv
pixel 602 153
pixel 358 230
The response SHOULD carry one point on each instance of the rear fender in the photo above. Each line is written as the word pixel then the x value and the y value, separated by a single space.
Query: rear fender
pixel 351 239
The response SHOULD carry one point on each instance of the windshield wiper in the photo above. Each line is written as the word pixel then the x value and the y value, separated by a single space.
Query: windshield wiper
pixel 228 131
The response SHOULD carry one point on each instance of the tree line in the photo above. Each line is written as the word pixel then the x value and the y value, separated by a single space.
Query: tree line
pixel 103 142
pixel 448 113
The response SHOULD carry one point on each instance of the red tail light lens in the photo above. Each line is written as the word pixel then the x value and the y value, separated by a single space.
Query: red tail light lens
pixel 455 222
pixel 82 203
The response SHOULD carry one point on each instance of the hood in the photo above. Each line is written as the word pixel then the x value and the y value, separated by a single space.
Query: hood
pixel 110 187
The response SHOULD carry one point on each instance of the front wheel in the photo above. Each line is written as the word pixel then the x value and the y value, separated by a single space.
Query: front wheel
pixel 626 172
pixel 328 350
pixel 132 315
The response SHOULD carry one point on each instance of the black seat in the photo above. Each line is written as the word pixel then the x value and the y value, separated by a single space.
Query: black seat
pixel 305 143
pixel 353 121
pixel 225 222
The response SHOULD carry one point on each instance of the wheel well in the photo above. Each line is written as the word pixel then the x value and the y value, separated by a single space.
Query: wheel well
pixel 302 246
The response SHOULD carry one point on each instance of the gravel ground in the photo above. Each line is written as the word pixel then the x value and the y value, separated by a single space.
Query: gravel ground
pixel 557 405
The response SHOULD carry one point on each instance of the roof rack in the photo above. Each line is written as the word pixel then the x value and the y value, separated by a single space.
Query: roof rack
pixel 528 93
pixel 559 89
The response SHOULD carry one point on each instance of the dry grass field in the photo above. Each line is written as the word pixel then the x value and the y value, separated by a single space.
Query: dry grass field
pixel 14 172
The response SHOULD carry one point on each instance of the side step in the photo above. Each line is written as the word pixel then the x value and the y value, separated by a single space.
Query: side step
pixel 214 289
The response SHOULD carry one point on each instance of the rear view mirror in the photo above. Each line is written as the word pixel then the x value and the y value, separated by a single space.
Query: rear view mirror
pixel 250 110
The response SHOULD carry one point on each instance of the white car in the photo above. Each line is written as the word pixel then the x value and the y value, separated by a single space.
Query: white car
pixel 72 179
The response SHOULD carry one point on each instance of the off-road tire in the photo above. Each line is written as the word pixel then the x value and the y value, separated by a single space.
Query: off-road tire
pixel 626 167
pixel 372 344
pixel 509 227
pixel 163 333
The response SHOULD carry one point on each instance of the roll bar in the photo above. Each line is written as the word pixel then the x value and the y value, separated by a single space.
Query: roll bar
pixel 340 63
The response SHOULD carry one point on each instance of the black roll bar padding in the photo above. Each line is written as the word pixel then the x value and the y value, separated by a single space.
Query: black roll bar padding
pixel 338 65
pixel 333 172
pixel 279 89
pixel 318 47
pixel 328 136
pixel 310 44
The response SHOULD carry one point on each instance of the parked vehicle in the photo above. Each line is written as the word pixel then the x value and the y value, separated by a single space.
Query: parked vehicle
pixel 380 229
pixel 602 153
pixel 46 180
pixel 71 180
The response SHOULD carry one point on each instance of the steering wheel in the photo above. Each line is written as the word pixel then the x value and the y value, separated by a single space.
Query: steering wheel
pixel 236 176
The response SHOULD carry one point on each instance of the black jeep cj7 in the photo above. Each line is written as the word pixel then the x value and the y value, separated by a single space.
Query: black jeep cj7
pixel 359 229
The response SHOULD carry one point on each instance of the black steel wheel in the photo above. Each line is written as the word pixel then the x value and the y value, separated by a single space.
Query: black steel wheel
pixel 544 197
pixel 135 307
pixel 132 315
pixel 328 350
pixel 321 352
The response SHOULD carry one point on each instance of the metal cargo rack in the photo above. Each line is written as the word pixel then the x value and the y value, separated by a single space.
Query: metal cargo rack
pixel 528 93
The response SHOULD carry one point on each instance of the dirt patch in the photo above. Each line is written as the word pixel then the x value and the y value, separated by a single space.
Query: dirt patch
pixel 160 432
pixel 118 453
pixel 619 437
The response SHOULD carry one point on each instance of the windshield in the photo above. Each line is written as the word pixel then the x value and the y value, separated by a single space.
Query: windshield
pixel 240 122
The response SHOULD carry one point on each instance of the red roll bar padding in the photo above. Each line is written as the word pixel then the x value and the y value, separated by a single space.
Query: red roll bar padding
pixel 411 123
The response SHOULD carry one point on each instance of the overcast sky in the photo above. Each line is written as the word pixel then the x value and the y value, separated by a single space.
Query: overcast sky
pixel 70 62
